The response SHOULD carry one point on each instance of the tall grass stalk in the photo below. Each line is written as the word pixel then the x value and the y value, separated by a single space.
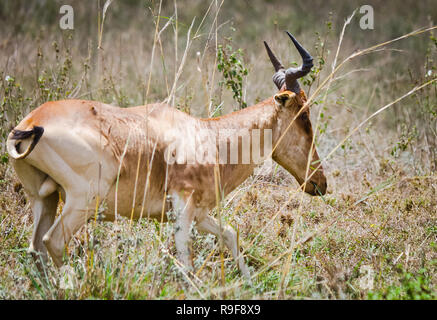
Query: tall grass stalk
pixel 153 51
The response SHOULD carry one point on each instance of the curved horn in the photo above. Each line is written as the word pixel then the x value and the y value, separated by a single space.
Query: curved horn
pixel 276 63
pixel 279 76
pixel 292 74
pixel 306 57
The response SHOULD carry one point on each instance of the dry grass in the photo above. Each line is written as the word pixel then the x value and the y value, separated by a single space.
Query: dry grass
pixel 379 214
pixel 393 233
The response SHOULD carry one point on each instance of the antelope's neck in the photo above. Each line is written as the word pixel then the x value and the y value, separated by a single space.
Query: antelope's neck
pixel 264 115
pixel 260 116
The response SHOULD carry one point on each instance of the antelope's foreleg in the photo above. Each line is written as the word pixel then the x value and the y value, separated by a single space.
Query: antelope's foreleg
pixel 184 212
pixel 210 225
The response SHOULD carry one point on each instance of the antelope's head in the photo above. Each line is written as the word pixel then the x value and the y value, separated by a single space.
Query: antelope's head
pixel 295 150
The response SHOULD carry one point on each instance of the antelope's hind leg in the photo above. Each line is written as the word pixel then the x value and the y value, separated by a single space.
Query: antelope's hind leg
pixel 44 212
pixel 43 197
pixel 74 215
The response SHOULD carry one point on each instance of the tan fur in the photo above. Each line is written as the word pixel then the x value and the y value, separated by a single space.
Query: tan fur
pixel 86 144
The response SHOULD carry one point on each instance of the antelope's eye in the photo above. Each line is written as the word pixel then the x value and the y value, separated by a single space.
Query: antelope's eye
pixel 282 98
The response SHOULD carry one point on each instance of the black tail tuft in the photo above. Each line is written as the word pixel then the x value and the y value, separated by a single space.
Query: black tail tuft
pixel 13 147
pixel 21 135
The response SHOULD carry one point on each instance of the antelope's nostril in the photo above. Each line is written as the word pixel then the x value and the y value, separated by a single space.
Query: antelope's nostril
pixel 319 190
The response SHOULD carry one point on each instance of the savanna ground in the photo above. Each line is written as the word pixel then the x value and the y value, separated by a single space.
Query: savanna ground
pixel 373 236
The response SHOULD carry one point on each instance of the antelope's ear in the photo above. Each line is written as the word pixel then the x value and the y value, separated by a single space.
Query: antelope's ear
pixel 283 97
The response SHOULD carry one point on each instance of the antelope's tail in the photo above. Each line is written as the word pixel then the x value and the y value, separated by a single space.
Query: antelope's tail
pixel 16 137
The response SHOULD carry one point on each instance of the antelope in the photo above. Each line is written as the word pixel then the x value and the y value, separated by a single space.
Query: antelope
pixel 90 152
